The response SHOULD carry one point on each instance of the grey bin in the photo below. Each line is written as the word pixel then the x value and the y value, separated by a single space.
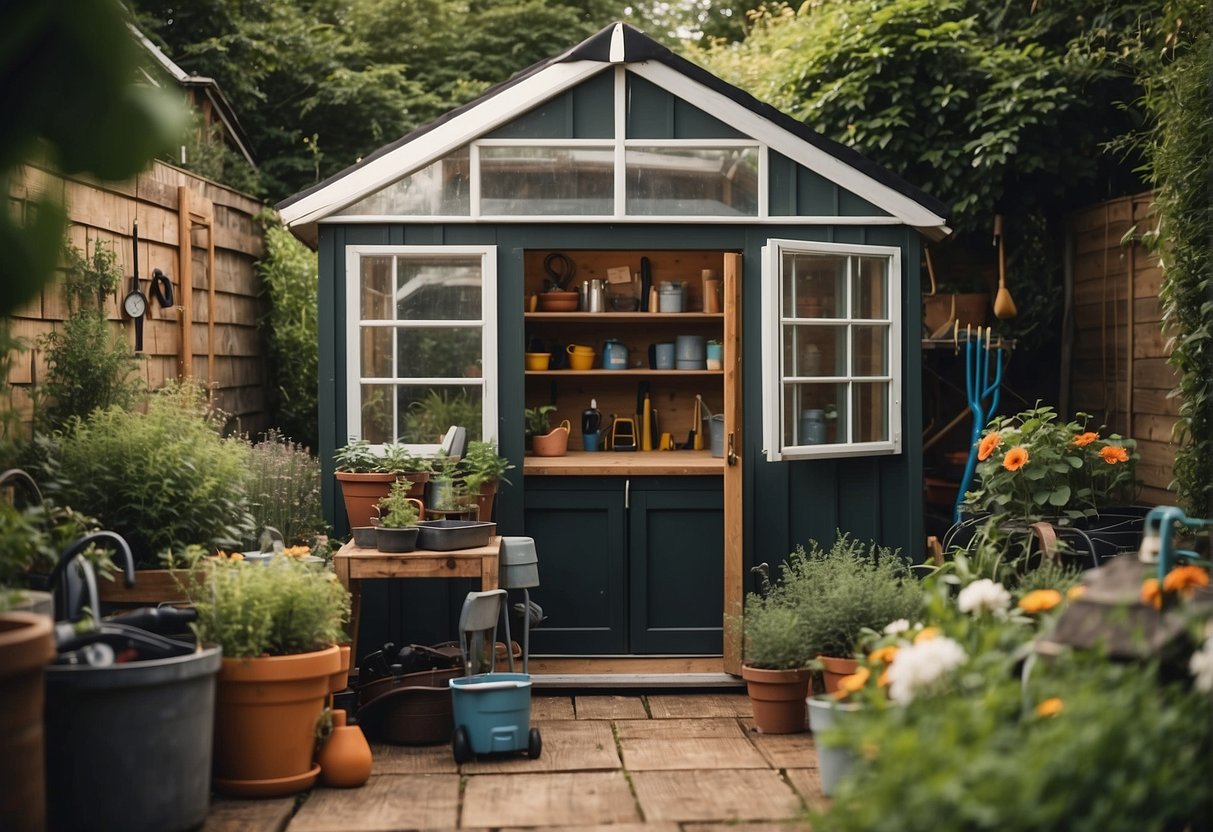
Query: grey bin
pixel 518 563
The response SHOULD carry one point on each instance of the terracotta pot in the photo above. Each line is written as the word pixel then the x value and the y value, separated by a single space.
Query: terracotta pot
pixel 778 698
pixel 485 500
pixel 362 492
pixel 26 646
pixel 340 680
pixel 345 760
pixel 265 722
pixel 833 669
pixel 555 443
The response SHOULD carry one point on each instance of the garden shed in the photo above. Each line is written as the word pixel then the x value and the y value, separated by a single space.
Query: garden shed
pixel 620 162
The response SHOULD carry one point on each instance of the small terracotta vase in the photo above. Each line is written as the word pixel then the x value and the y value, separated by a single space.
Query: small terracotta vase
pixel 345 760
pixel 778 698
pixel 833 669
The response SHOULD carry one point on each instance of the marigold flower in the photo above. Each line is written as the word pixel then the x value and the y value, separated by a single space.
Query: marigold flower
pixel 988 443
pixel 1075 592
pixel 926 634
pixel 1040 600
pixel 1050 707
pixel 1084 439
pixel 883 655
pixel 853 683
pixel 1151 593
pixel 1185 580
pixel 1015 459
pixel 1113 454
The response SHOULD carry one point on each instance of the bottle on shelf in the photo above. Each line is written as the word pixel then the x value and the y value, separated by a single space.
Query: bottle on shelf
pixel 591 424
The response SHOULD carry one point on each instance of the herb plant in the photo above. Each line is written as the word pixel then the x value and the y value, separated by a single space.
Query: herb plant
pixel 284 489
pixel 773 634
pixel 397 510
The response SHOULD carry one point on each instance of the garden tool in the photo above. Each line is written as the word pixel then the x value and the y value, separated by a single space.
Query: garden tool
pixel 983 397
pixel 1004 307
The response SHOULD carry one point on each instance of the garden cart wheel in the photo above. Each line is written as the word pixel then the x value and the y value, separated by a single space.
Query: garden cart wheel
pixel 461 746
pixel 535 745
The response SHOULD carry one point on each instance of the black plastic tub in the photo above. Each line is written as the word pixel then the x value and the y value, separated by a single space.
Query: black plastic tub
pixel 445 535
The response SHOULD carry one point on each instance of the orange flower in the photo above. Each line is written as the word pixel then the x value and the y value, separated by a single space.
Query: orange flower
pixel 926 634
pixel 1015 459
pixel 1084 439
pixel 883 655
pixel 853 683
pixel 988 443
pixel 1040 600
pixel 1151 593
pixel 1113 454
pixel 1185 580
pixel 883 681
pixel 1050 707
pixel 1075 592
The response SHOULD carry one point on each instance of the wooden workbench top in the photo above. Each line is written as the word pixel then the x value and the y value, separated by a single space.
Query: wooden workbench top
pixel 625 463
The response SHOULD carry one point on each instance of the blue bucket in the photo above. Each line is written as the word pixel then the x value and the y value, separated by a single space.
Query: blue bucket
pixel 494 709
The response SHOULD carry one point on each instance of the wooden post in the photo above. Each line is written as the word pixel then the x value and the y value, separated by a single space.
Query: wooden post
pixel 185 273
pixel 734 550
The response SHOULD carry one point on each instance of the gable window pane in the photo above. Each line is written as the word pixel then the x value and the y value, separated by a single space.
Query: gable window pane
pixel 546 181
pixel 692 181
pixel 440 189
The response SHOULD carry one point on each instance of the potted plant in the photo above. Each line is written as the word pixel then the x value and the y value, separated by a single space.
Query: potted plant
pixel 366 475
pixel 535 422
pixel 278 625
pixel 844 591
pixel 775 663
pixel 483 468
pixel 398 516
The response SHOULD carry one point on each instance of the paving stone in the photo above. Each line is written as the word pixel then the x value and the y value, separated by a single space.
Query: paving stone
pixel 699 706
pixel 387 803
pixel 568 745
pixel 610 707
pixel 669 753
pixel 663 728
pixel 555 799
pixel 723 794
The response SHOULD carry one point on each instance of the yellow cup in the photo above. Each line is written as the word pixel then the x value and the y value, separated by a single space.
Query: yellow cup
pixel 581 360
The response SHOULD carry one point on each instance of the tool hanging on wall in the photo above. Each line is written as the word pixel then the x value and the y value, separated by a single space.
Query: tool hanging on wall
pixel 983 397
pixel 1004 306
pixel 134 305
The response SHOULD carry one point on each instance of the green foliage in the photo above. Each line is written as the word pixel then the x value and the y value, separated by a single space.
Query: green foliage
pixel 1179 145
pixel 358 456
pixel 536 419
pixel 284 489
pixel 397 510
pixel 773 634
pixel 89 365
pixel 843 591
pixel 81 57
pixel 482 465
pixel 162 479
pixel 427 420
pixel 290 277
pixel 278 608
pixel 209 156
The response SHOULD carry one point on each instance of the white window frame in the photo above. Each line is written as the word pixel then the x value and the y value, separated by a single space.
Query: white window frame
pixel 487 322
pixel 773 378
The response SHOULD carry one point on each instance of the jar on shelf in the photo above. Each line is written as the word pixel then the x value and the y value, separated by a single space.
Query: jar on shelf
pixel 812 427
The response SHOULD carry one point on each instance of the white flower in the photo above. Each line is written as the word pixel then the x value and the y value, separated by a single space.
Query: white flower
pixel 1201 663
pixel 918 666
pixel 984 596
pixel 895 627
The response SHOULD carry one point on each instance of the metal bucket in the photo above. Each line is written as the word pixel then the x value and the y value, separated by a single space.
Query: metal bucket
pixel 717 434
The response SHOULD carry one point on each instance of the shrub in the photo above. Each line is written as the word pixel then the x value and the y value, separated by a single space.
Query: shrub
pixel 162 479
pixel 284 489
pixel 773 635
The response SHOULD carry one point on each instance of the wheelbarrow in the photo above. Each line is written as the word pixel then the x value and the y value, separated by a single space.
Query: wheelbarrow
pixel 492 711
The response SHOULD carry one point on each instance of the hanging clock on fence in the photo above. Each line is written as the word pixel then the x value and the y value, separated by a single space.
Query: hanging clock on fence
pixel 135 302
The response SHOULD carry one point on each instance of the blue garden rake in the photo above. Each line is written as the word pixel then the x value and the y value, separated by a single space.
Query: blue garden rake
pixel 982 395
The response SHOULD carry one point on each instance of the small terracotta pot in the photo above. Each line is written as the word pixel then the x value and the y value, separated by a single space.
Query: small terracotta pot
pixel 340 680
pixel 345 760
pixel 778 698
pixel 833 669
pixel 26 647
pixel 555 443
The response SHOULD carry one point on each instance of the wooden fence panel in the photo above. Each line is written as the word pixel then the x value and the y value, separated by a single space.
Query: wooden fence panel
pixel 105 212
pixel 1118 367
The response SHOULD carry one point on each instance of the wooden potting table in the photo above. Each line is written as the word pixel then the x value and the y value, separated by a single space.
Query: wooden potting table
pixel 354 565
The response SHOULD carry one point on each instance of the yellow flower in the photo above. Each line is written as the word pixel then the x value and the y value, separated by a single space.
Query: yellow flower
pixel 988 443
pixel 1040 600
pixel 1151 593
pixel 883 655
pixel 926 634
pixel 1185 580
pixel 297 551
pixel 1075 592
pixel 1084 439
pixel 853 683
pixel 1015 459
pixel 1050 707
pixel 1113 454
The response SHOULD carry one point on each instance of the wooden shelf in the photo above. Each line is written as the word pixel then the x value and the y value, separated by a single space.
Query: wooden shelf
pixel 625 463
pixel 638 371
pixel 624 317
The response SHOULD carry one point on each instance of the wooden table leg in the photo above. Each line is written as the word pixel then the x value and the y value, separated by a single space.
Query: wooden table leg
pixel 488 573
pixel 342 567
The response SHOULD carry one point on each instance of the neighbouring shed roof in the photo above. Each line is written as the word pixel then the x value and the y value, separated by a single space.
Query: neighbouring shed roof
pixel 616 44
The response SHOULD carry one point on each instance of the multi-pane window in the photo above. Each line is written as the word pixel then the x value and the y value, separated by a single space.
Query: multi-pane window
pixel 421 343
pixel 830 342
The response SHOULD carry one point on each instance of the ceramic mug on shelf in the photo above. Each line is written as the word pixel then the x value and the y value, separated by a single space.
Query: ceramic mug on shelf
pixel 664 356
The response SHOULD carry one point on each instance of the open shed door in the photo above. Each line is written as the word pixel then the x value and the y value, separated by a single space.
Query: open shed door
pixel 734 571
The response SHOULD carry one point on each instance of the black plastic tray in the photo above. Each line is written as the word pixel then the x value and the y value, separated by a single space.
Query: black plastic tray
pixel 445 535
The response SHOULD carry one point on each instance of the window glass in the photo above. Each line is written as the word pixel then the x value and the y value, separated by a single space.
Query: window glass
pixel 814 285
pixel 431 352
pixel 547 181
pixel 868 294
pixel 691 181
pixel 375 298
pixel 438 190
pixel 425 411
pixel 811 414
pixel 375 344
pixel 814 351
pixel 438 289
pixel 870 349
pixel 870 409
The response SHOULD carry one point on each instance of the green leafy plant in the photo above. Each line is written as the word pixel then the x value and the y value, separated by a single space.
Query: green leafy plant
pixel 162 479
pixel 482 465
pixel 535 419
pixel 448 487
pixel 427 420
pixel 397 510
pixel 842 591
pixel 358 456
pixel 284 489
pixel 282 607
pixel 773 634
pixel 89 365
pixel 1033 466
